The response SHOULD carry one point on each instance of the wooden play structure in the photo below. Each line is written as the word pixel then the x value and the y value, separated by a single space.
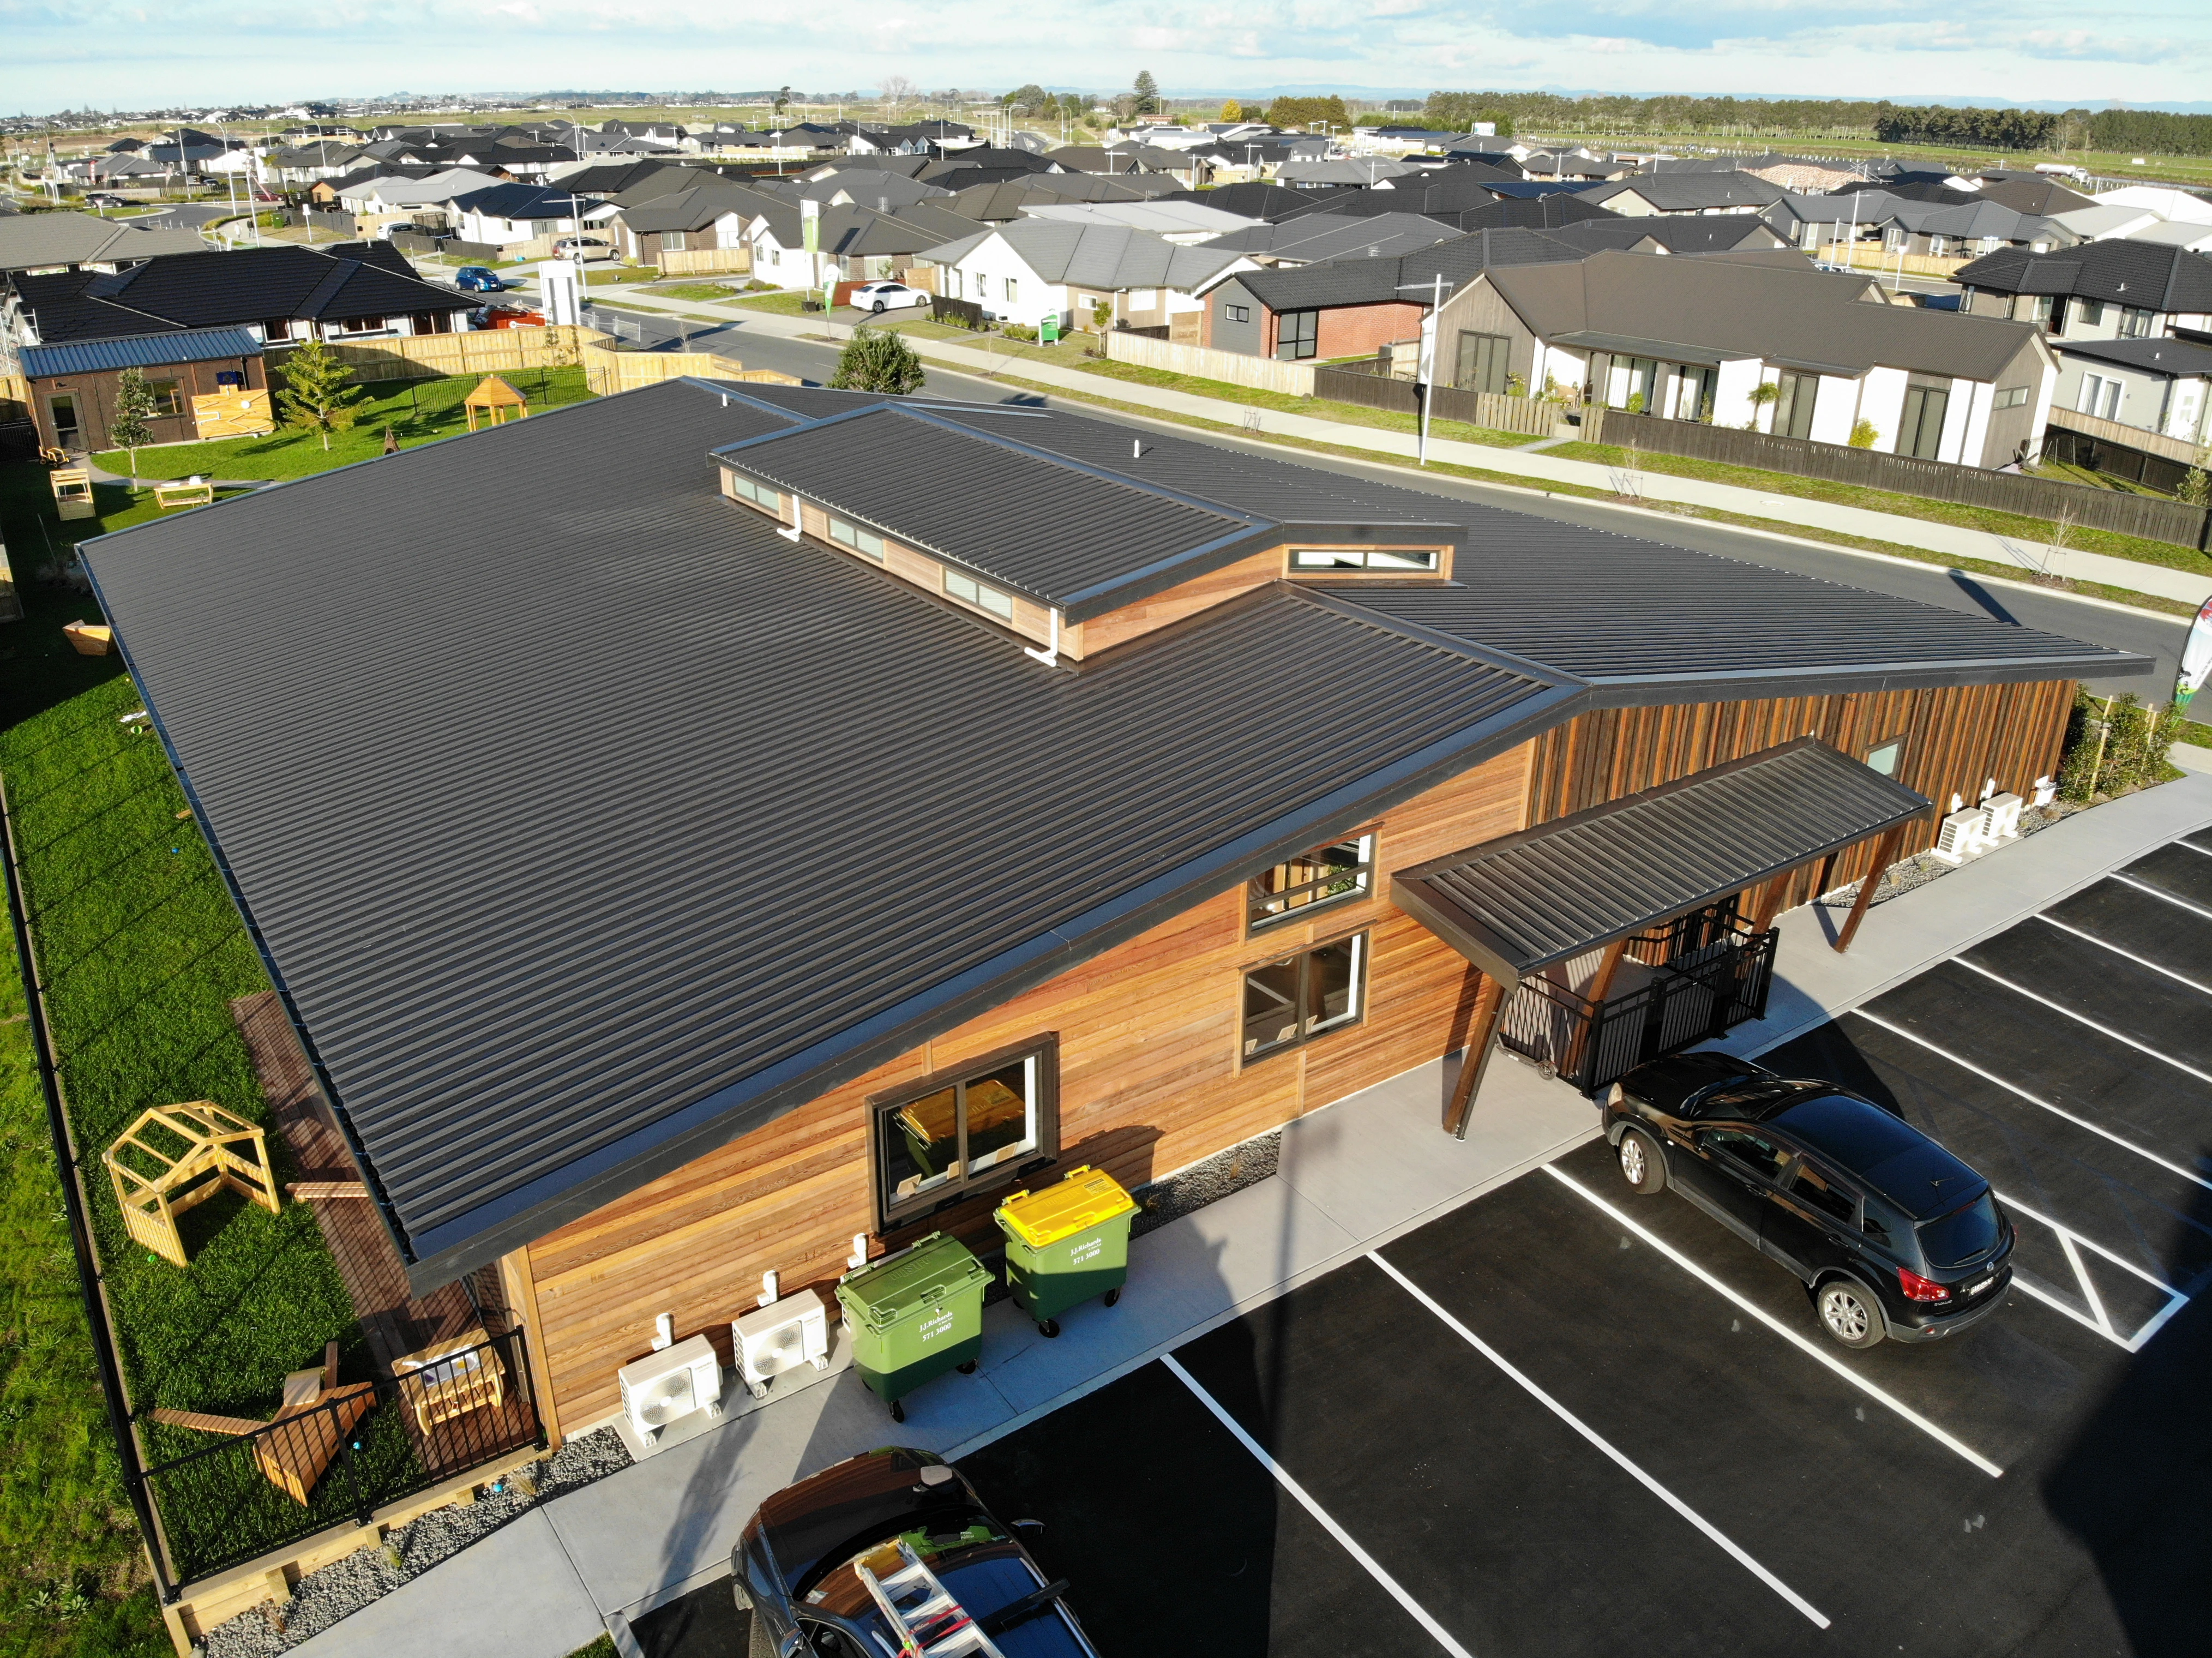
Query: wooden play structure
pixel 72 491
pixel 496 399
pixel 176 1156
pixel 186 492
pixel 450 1379
pixel 294 1448
pixel 88 638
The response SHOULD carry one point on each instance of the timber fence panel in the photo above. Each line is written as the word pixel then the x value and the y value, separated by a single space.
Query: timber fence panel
pixel 2148 516
pixel 484 351
pixel 1261 374
pixel 706 261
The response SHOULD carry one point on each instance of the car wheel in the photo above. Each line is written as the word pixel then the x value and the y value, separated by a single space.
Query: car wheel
pixel 1642 1164
pixel 759 1643
pixel 1113 1295
pixel 877 307
pixel 1849 1313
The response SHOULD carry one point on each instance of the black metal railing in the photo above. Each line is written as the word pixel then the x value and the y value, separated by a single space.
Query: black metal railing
pixel 1710 974
pixel 369 1445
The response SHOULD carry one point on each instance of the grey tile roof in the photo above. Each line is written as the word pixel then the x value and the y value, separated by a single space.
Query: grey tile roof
pixel 1691 193
pixel 1105 257
pixel 29 240
pixel 1310 238
pixel 2176 358
pixel 2125 272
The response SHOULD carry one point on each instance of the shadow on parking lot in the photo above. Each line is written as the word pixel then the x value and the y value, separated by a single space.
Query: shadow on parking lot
pixel 2135 1486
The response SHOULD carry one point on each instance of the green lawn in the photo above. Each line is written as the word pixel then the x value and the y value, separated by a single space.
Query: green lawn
pixel 416 411
pixel 710 291
pixel 784 302
pixel 1883 500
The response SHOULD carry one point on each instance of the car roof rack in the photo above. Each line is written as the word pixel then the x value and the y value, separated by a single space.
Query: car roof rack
pixel 929 1622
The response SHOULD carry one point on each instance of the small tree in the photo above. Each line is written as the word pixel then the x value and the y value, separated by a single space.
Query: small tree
pixel 1765 392
pixel 318 395
pixel 1232 110
pixel 134 407
pixel 1147 91
pixel 875 361
pixel 1865 435
pixel 2196 488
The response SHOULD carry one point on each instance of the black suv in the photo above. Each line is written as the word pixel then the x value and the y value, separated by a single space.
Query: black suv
pixel 819 1562
pixel 1894 1236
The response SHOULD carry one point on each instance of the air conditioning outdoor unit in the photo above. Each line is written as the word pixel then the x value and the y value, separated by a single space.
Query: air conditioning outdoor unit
pixel 1963 835
pixel 674 1382
pixel 781 1337
pixel 2004 816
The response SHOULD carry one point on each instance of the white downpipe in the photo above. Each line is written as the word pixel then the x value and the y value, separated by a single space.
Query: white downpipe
pixel 1050 655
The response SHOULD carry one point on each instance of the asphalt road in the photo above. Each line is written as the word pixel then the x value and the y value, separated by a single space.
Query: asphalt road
pixel 2141 631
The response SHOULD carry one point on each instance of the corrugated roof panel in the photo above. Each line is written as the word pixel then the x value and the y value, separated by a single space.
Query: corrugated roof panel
pixel 138 351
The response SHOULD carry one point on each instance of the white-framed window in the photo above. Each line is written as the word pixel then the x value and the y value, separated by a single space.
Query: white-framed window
pixel 860 540
pixel 2009 396
pixel 1304 996
pixel 2100 396
pixel 969 591
pixel 1013 290
pixel 1364 558
pixel 760 495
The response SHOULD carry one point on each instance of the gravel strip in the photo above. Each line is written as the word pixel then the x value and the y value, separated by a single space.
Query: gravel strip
pixel 322 1598
pixel 1922 867
pixel 1208 1182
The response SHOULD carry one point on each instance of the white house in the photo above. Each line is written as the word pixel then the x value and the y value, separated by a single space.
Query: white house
pixel 1029 269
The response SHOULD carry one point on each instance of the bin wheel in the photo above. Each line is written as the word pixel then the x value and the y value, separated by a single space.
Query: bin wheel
pixel 898 1410
pixel 757 1389
pixel 969 1368
pixel 1113 1295
pixel 1049 1329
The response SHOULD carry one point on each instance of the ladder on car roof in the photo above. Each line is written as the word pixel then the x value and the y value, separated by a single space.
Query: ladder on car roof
pixel 930 1623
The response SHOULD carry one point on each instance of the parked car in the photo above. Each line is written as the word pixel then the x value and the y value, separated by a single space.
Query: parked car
pixel 1894 1236
pixel 822 1563
pixel 592 246
pixel 105 199
pixel 886 296
pixel 477 279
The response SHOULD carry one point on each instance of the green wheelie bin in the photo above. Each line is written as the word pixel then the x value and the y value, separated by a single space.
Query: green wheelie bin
pixel 914 1315
pixel 1066 1244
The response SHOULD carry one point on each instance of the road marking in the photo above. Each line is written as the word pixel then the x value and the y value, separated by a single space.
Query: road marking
pixel 2015 1087
pixel 2140 961
pixel 2082 1018
pixel 1711 1531
pixel 2160 892
pixel 1948 1440
pixel 2193 847
pixel 1283 1478
pixel 2072 1244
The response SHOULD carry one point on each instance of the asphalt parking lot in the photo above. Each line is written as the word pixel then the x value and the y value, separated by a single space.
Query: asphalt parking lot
pixel 1566 1419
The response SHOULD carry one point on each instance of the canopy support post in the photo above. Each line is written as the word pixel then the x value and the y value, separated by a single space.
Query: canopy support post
pixel 1883 853
pixel 1482 1028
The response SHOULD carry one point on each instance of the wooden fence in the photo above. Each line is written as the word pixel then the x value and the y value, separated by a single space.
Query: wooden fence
pixel 507 350
pixel 2154 519
pixel 1260 373
pixel 706 261
pixel 1870 257
pixel 1494 412
pixel 2182 453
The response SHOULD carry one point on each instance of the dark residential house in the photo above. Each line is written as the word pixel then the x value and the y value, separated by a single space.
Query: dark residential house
pixel 1256 200
pixel 1650 193
pixel 1313 238
pixel 1666 232
pixel 1295 782
pixel 1550 211
pixel 1798 173
pixel 1689 338
pixel 73 385
pixel 2035 196
pixel 997 204
pixel 1897 225
pixel 854 243
pixel 1189 168
pixel 510 215
pixel 341 290
pixel 1928 188
pixel 2118 289
pixel 708 216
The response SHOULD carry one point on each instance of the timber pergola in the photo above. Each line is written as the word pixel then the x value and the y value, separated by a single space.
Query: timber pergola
pixel 1524 901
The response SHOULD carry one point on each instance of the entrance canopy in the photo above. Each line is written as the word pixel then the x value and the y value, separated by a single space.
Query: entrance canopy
pixel 1525 901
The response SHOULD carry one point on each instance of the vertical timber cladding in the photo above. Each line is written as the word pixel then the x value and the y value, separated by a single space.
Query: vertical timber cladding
pixel 1151 1080
pixel 1956 738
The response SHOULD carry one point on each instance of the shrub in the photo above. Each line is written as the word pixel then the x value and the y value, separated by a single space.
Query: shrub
pixel 2196 488
pixel 1865 435
pixel 1016 330
pixel 2114 744
pixel 874 360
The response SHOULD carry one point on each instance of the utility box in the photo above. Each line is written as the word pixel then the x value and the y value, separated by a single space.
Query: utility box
pixel 914 1315
pixel 1066 1244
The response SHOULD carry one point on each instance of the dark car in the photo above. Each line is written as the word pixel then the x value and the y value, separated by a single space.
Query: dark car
pixel 475 279
pixel 892 1552
pixel 1894 1236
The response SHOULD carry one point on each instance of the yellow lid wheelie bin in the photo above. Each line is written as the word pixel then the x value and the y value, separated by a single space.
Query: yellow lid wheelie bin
pixel 914 1315
pixel 1066 1244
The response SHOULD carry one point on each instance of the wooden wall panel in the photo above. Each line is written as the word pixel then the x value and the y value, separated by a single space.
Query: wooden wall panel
pixel 1151 1080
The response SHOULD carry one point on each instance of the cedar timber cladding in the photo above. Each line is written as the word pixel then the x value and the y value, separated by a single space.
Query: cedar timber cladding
pixel 1957 738
pixel 1151 1080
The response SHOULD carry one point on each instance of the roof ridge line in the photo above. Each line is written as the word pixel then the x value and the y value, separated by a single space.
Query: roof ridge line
pixel 1339 601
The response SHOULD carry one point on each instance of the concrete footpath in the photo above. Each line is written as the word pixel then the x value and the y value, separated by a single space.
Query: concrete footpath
pixel 2030 558
pixel 1351 1177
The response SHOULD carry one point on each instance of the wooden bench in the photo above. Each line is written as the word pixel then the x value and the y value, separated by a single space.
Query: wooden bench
pixel 295 1448
pixel 451 1378
pixel 186 494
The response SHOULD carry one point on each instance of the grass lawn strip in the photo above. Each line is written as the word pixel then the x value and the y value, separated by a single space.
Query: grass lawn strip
pixel 2143 552
pixel 1515 481
pixel 417 411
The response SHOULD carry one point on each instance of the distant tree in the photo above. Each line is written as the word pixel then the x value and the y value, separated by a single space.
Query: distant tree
pixel 1309 113
pixel 134 407
pixel 1073 105
pixel 318 395
pixel 1031 100
pixel 782 100
pixel 1232 110
pixel 1147 93
pixel 875 361
pixel 897 89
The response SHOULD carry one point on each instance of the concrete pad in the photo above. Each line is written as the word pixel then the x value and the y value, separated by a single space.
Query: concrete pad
pixel 516 1594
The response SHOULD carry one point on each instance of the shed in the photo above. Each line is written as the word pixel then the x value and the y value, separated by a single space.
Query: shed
pixel 73 384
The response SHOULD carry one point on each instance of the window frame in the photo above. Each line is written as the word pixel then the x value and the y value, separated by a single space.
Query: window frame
pixel 1298 335
pixel 1472 362
pixel 1363 561
pixel 1361 940
pixel 743 488
pixel 168 397
pixel 1256 922
pixel 891 1215
pixel 855 538
pixel 2009 396
pixel 978 603
pixel 1873 749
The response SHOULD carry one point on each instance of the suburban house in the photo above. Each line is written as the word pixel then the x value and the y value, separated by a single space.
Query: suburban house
pixel 1648 193
pixel 1185 222
pixel 1033 269
pixel 73 385
pixel 1670 233
pixel 506 216
pixel 1690 338
pixel 1281 806
pixel 711 214
pixel 996 204
pixel 2099 290
pixel 2155 386
pixel 379 204
pixel 1901 225
pixel 1313 238
pixel 46 243
pixel 1792 173
pixel 340 290
pixel 855 244
pixel 1189 168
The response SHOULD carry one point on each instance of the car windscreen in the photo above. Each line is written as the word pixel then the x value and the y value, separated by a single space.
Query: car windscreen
pixel 1966 1234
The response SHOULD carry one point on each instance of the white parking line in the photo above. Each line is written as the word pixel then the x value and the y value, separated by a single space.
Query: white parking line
pixel 2015 1087
pixel 1283 1478
pixel 1711 1531
pixel 1948 1440
pixel 2193 847
pixel 2073 1243
pixel 2160 892
pixel 2140 961
pixel 2082 1018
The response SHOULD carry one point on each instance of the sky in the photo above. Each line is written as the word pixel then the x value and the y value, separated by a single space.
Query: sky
pixel 103 54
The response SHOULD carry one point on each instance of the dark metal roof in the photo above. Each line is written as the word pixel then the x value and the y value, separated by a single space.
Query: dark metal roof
pixel 2170 357
pixel 1645 623
pixel 1515 904
pixel 138 351
pixel 565 895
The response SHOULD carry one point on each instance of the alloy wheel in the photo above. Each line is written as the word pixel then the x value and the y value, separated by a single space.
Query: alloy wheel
pixel 1631 1160
pixel 1844 1313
